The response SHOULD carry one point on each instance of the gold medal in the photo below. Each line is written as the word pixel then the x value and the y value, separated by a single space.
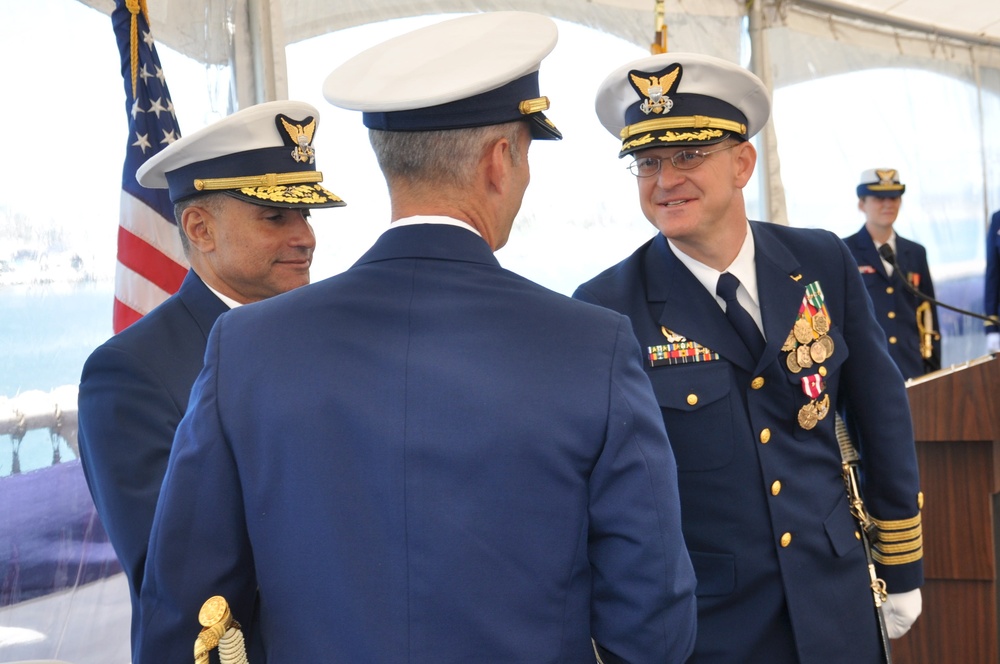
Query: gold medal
pixel 823 407
pixel 807 416
pixel 793 363
pixel 790 342
pixel 802 331
pixel 802 357
pixel 827 344
pixel 817 352
pixel 821 324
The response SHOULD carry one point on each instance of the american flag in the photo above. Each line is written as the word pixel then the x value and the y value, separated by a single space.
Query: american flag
pixel 151 263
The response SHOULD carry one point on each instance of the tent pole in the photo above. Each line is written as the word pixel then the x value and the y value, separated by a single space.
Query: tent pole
pixel 772 191
pixel 259 67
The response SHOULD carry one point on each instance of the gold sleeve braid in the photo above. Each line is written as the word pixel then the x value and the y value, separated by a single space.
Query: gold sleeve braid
pixel 898 542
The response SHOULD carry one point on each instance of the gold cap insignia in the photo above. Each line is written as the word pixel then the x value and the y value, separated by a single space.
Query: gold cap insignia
pixel 886 176
pixel 654 90
pixel 301 134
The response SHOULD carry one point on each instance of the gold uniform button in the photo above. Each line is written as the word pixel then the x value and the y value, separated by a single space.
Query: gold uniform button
pixel 786 539
pixel 757 383
pixel 890 290
pixel 765 435
pixel 822 371
pixel 775 488
pixel 892 340
pixel 692 399
pixel 920 500
pixel 857 535
pixel 891 314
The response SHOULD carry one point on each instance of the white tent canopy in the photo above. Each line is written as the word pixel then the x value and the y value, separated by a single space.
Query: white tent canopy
pixel 194 27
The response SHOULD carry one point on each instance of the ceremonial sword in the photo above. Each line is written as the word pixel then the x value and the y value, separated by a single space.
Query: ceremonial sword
pixel 850 462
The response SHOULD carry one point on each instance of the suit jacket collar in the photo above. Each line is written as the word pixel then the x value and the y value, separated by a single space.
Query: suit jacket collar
pixel 203 305
pixel 865 253
pixel 906 257
pixel 690 310
pixel 782 286
pixel 434 241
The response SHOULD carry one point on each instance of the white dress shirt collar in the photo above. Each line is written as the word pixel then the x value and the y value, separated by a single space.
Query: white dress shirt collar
pixel 228 301
pixel 743 268
pixel 433 219
pixel 892 243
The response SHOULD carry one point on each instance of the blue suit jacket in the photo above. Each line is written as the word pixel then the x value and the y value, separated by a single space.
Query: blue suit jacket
pixel 426 458
pixel 992 281
pixel 895 307
pixel 781 573
pixel 133 392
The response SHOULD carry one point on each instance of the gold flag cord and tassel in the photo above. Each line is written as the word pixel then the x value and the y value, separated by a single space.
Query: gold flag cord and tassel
pixel 134 7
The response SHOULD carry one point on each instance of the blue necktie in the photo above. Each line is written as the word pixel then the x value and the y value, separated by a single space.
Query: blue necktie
pixel 738 316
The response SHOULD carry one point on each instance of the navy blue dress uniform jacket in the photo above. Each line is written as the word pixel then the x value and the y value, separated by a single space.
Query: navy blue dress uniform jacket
pixel 895 306
pixel 133 392
pixel 781 572
pixel 992 284
pixel 426 458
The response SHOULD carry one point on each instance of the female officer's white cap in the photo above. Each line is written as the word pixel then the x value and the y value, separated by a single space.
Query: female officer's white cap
pixel 674 99
pixel 471 71
pixel 881 183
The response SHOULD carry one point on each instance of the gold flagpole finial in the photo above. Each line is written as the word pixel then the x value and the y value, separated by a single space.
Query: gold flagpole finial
pixel 659 44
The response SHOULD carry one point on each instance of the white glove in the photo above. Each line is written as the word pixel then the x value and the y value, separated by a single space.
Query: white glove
pixel 900 610
pixel 992 342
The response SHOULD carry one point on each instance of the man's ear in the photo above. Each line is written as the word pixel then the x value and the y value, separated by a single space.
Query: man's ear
pixel 198 225
pixel 746 159
pixel 497 164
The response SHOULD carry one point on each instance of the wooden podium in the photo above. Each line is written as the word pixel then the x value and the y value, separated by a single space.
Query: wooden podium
pixel 956 419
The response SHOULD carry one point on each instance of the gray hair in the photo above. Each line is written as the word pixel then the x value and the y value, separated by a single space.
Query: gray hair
pixel 446 156
pixel 212 202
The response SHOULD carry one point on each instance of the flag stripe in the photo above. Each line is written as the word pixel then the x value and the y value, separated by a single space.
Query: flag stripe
pixel 124 315
pixel 141 220
pixel 136 292
pixel 149 262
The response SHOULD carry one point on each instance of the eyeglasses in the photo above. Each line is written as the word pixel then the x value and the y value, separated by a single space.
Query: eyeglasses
pixel 685 160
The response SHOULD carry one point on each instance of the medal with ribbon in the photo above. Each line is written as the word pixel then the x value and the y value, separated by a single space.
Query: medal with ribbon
pixel 809 344
pixel 813 385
